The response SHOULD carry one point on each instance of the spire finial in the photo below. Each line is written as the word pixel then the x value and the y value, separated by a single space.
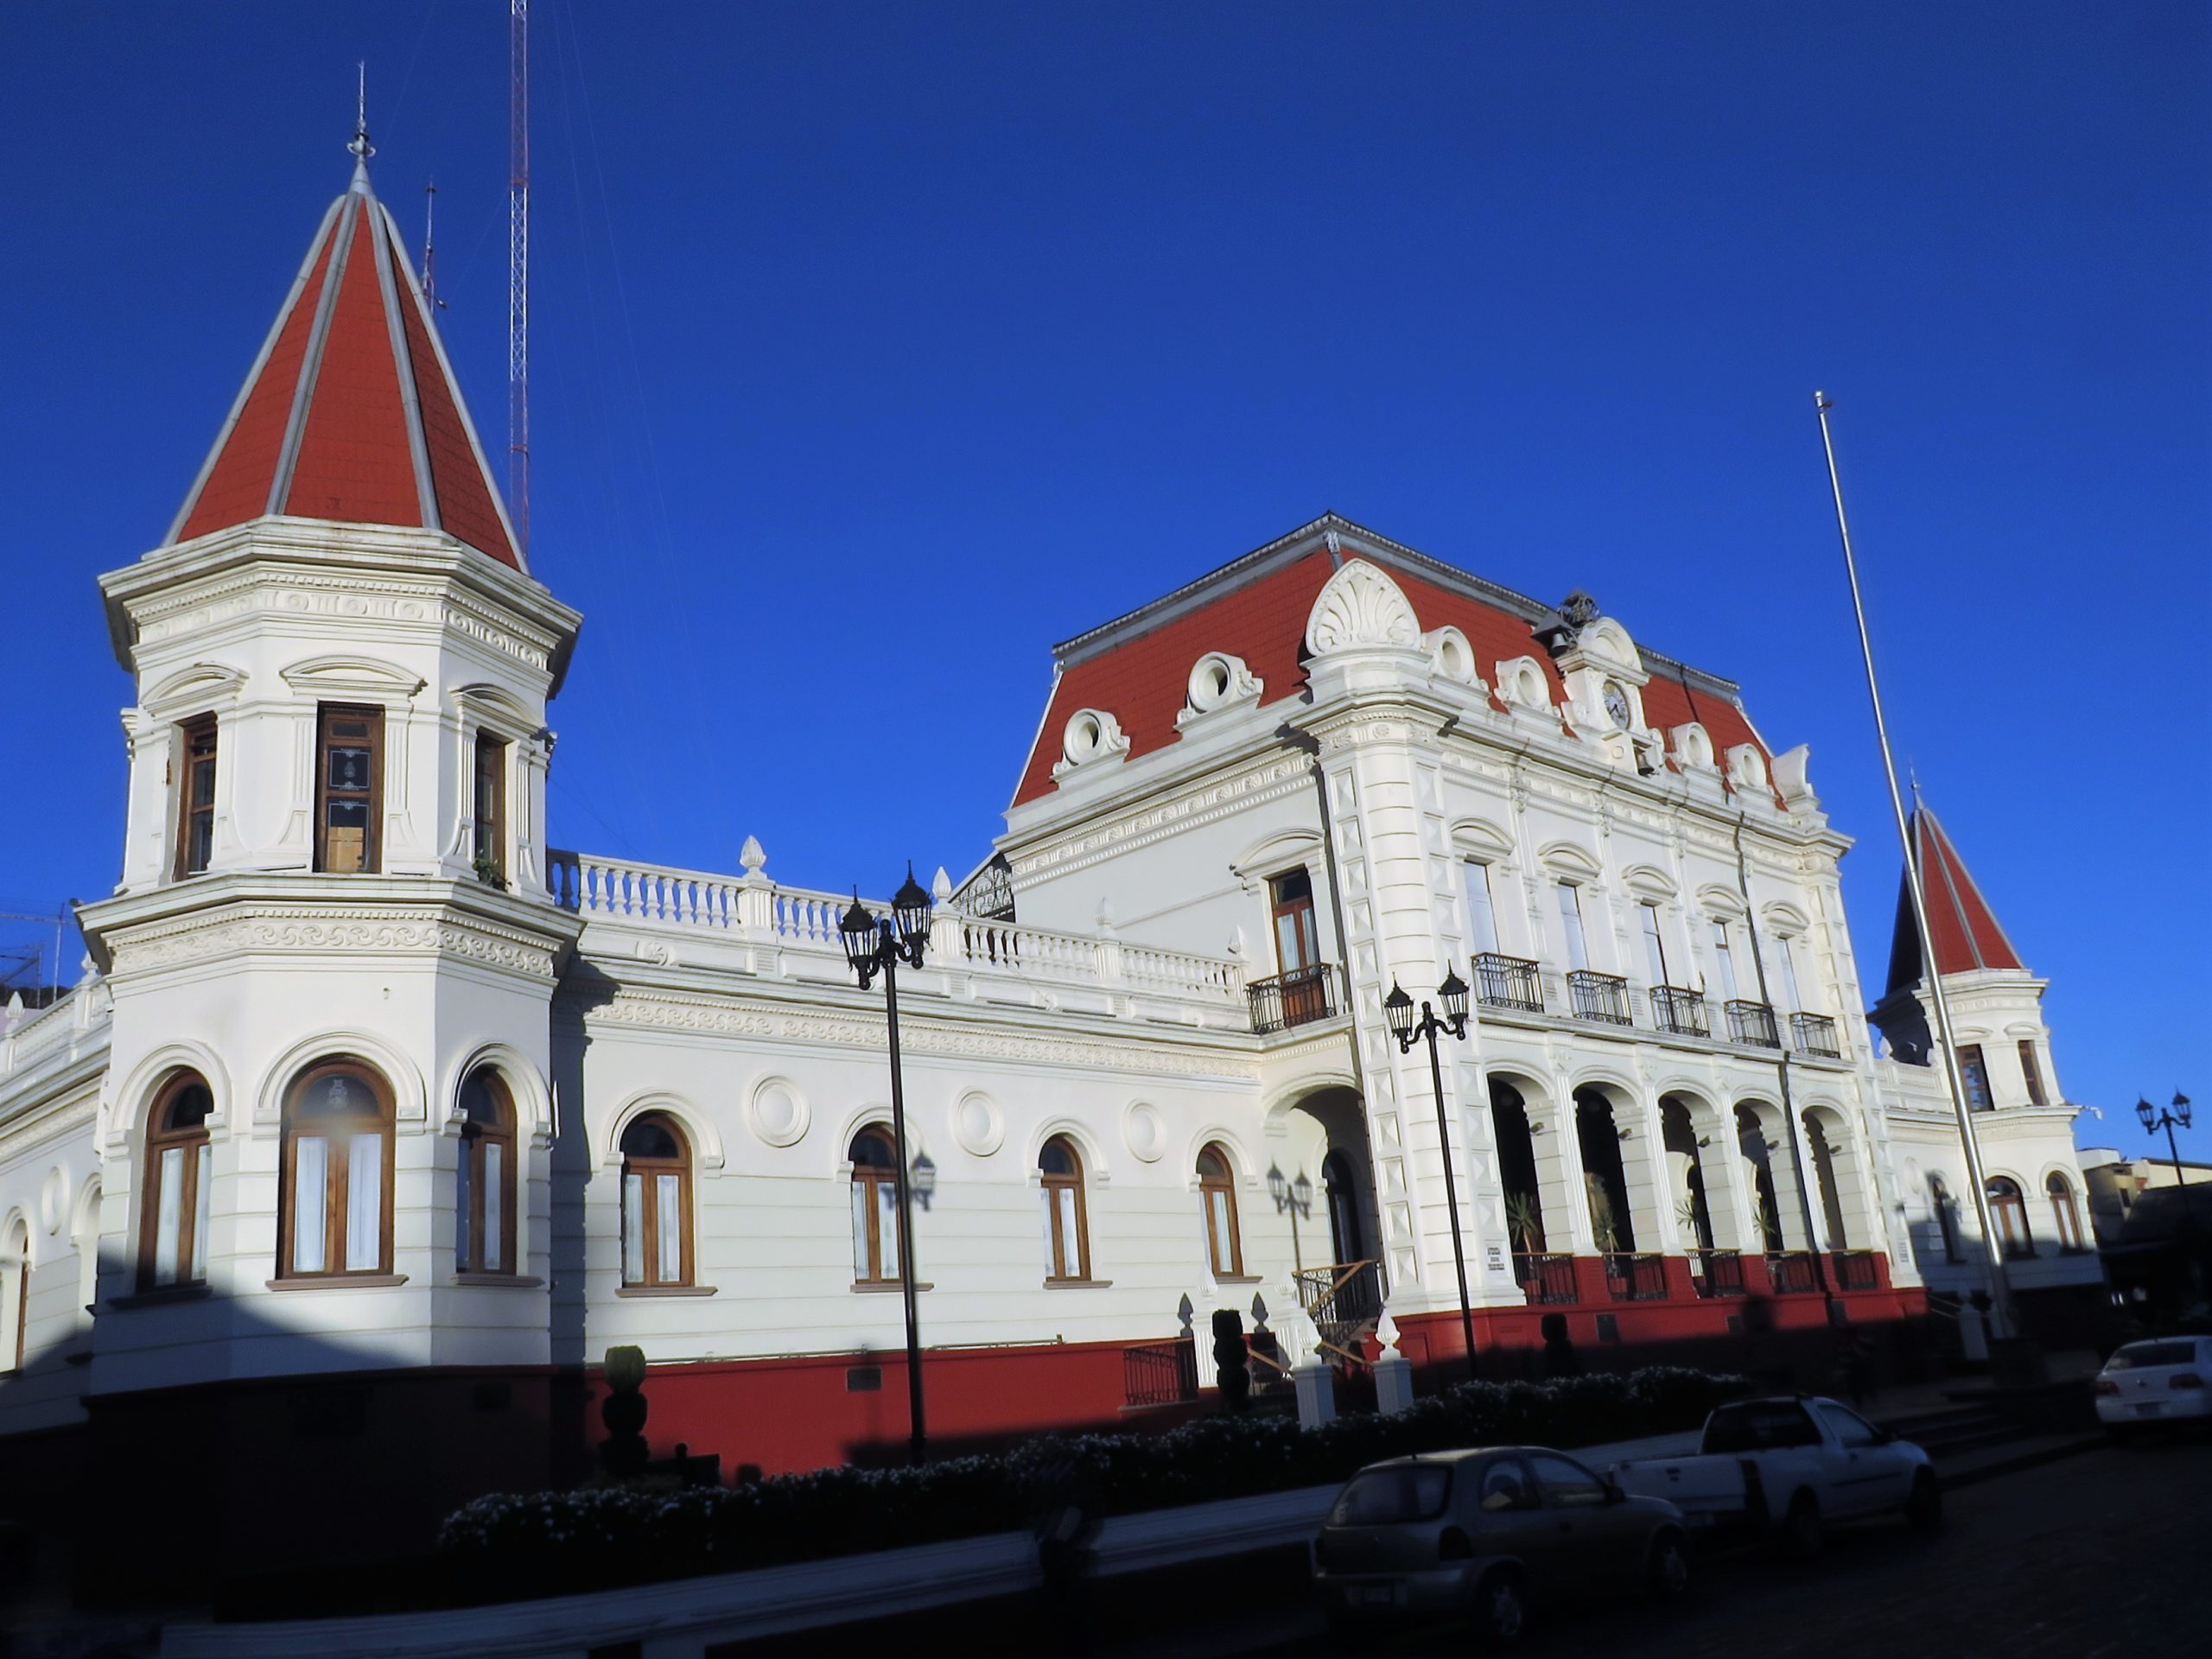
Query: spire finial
pixel 360 148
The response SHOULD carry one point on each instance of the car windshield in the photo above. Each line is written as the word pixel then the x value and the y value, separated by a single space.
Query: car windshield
pixel 2152 1353
pixel 1759 1426
pixel 1383 1497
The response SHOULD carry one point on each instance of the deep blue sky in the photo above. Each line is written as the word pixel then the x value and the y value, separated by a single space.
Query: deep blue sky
pixel 878 348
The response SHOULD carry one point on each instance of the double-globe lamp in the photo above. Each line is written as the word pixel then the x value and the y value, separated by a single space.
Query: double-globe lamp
pixel 1408 1028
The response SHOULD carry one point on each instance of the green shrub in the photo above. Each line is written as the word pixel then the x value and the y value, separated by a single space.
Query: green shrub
pixel 545 1543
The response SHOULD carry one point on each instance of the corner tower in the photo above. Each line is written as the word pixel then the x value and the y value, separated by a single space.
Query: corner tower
pixel 331 948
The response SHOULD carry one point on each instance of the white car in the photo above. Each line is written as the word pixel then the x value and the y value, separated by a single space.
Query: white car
pixel 2161 1381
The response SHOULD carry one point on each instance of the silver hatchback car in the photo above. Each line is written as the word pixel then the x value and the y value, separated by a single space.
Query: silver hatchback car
pixel 1489 1534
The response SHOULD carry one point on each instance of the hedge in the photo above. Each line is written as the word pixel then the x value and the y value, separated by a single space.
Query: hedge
pixel 510 1546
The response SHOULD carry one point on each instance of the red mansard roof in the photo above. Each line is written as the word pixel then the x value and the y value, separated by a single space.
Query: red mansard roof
pixel 1962 928
pixel 351 412
pixel 1138 670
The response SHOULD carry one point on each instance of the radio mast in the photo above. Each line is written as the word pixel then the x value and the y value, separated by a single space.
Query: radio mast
pixel 518 271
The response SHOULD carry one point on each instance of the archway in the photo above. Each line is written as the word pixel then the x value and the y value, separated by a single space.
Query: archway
pixel 1686 1174
pixel 1757 1147
pixel 1824 1130
pixel 1517 1168
pixel 1605 1178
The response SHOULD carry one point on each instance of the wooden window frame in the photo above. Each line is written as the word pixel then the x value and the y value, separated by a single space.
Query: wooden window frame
pixel 372 836
pixel 2065 1209
pixel 490 820
pixel 1065 1267
pixel 2031 1072
pixel 337 1176
pixel 1304 924
pixel 649 1216
pixel 474 1138
pixel 2009 1208
pixel 874 1177
pixel 188 733
pixel 1225 1184
pixel 160 1139
pixel 1974 1069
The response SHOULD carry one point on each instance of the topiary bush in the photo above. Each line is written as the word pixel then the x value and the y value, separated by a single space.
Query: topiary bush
pixel 510 1546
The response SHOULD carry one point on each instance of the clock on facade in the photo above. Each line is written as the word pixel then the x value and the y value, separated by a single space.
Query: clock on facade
pixel 1617 704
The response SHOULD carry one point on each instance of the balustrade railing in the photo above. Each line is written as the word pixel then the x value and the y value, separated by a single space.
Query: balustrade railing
pixel 1508 982
pixel 1344 1300
pixel 1160 1373
pixel 1814 1033
pixel 1792 1272
pixel 1753 1023
pixel 1680 1012
pixel 1297 998
pixel 1854 1270
pixel 1717 1273
pixel 1546 1276
pixel 1636 1276
pixel 1602 997
pixel 62 1021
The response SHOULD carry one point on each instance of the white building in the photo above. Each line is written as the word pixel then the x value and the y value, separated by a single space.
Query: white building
pixel 375 1121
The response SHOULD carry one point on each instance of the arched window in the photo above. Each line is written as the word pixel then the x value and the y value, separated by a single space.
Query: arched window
pixel 2009 1211
pixel 1947 1216
pixel 876 1254
pixel 1067 1227
pixel 336 1200
pixel 173 1226
pixel 656 1203
pixel 2063 1209
pixel 1218 1197
pixel 15 1295
pixel 484 1201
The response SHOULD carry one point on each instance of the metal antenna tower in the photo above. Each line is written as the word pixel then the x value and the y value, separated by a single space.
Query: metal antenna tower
pixel 518 270
pixel 429 244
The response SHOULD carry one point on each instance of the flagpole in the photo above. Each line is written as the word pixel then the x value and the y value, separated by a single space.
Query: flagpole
pixel 2001 1290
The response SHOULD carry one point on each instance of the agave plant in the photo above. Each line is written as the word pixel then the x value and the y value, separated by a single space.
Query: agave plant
pixel 1524 1221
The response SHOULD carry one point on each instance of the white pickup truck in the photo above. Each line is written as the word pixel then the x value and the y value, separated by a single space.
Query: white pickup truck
pixel 1786 1465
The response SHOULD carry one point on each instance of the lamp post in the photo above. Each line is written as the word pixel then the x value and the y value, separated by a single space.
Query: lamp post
pixel 1399 1008
pixel 1297 1197
pixel 877 944
pixel 2154 1119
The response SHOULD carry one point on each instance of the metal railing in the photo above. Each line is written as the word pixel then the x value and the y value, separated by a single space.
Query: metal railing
pixel 1680 1012
pixel 1297 998
pixel 1717 1273
pixel 1160 1373
pixel 1752 1023
pixel 1344 1300
pixel 1854 1270
pixel 1545 1276
pixel 1636 1276
pixel 1508 982
pixel 1602 997
pixel 1792 1272
pixel 1815 1033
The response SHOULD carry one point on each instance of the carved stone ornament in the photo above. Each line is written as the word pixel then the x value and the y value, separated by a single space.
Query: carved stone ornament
pixel 1360 606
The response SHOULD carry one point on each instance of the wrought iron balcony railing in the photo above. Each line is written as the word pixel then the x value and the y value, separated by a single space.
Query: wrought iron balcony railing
pixel 1717 1273
pixel 1508 982
pixel 1546 1276
pixel 1752 1023
pixel 1639 1276
pixel 1814 1033
pixel 1160 1373
pixel 1680 1012
pixel 1854 1269
pixel 1602 997
pixel 1297 998
pixel 1792 1272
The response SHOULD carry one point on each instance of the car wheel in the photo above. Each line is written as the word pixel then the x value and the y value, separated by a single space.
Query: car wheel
pixel 1666 1572
pixel 1501 1609
pixel 1800 1528
pixel 1923 1509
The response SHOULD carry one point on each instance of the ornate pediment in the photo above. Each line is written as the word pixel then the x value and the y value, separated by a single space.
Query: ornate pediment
pixel 1361 606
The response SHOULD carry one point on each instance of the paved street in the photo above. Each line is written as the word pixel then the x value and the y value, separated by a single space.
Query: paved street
pixel 2093 1555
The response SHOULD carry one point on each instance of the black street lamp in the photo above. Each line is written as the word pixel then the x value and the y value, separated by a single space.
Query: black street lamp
pixel 2154 1119
pixel 1399 1007
pixel 1297 1197
pixel 877 944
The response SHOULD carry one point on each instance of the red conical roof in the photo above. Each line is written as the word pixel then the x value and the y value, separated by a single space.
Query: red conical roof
pixel 351 412
pixel 1961 927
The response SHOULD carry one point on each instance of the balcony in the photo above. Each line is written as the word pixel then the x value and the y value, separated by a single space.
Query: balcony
pixel 1680 1012
pixel 1640 1276
pixel 1602 997
pixel 1792 1272
pixel 1814 1033
pixel 1508 982
pixel 1854 1270
pixel 1297 998
pixel 1753 1023
pixel 1717 1273
pixel 1545 1277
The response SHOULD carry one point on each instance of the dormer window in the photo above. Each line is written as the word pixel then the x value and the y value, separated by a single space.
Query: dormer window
pixel 195 806
pixel 349 788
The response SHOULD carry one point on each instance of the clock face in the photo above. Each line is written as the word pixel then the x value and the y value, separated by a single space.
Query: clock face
pixel 1617 705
